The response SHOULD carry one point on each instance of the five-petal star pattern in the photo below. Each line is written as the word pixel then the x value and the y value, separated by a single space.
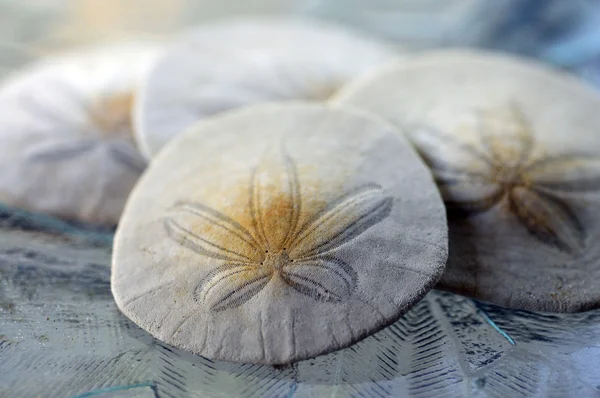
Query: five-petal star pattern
pixel 502 168
pixel 107 118
pixel 277 245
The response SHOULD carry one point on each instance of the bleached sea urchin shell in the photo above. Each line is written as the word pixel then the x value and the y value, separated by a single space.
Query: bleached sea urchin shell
pixel 239 62
pixel 515 149
pixel 278 232
pixel 66 145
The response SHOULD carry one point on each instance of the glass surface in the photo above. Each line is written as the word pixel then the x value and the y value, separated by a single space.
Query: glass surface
pixel 61 334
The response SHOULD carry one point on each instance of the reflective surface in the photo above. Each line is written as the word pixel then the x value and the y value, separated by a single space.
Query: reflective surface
pixel 62 335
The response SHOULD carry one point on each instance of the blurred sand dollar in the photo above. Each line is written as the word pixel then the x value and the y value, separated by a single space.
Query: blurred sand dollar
pixel 236 62
pixel 514 148
pixel 67 145
pixel 279 232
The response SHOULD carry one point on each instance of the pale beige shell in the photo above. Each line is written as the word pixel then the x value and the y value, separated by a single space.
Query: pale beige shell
pixel 66 145
pixel 238 62
pixel 277 233
pixel 515 150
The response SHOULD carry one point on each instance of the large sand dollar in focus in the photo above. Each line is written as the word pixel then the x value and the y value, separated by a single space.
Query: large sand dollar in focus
pixel 237 62
pixel 277 233
pixel 515 150
pixel 66 145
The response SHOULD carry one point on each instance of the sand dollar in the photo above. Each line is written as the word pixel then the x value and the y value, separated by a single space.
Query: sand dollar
pixel 239 62
pixel 66 146
pixel 515 150
pixel 278 232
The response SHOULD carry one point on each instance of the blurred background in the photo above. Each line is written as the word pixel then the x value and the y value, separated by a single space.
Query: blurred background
pixel 565 33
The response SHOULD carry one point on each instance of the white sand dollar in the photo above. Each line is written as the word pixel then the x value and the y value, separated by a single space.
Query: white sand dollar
pixel 239 62
pixel 66 146
pixel 515 150
pixel 278 232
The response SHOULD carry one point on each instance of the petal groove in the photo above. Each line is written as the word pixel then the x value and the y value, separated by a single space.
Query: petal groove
pixel 567 173
pixel 342 220
pixel 506 135
pixel 323 279
pixel 547 219
pixel 231 285
pixel 211 233
pixel 275 199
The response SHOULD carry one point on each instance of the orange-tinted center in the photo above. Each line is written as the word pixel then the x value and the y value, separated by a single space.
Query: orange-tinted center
pixel 323 91
pixel 276 261
pixel 506 175
pixel 511 177
pixel 112 114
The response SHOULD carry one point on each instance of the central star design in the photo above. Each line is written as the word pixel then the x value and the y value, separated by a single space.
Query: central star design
pixel 277 246
pixel 500 169
pixel 100 124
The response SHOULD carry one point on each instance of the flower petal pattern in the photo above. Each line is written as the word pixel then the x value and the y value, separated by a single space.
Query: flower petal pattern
pixel 276 244
pixel 547 219
pixel 323 279
pixel 275 200
pixel 568 173
pixel 534 189
pixel 231 285
pixel 185 218
pixel 506 135
pixel 341 221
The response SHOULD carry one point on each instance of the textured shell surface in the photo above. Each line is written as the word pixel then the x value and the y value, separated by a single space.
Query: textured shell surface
pixel 237 62
pixel 515 151
pixel 279 232
pixel 67 145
